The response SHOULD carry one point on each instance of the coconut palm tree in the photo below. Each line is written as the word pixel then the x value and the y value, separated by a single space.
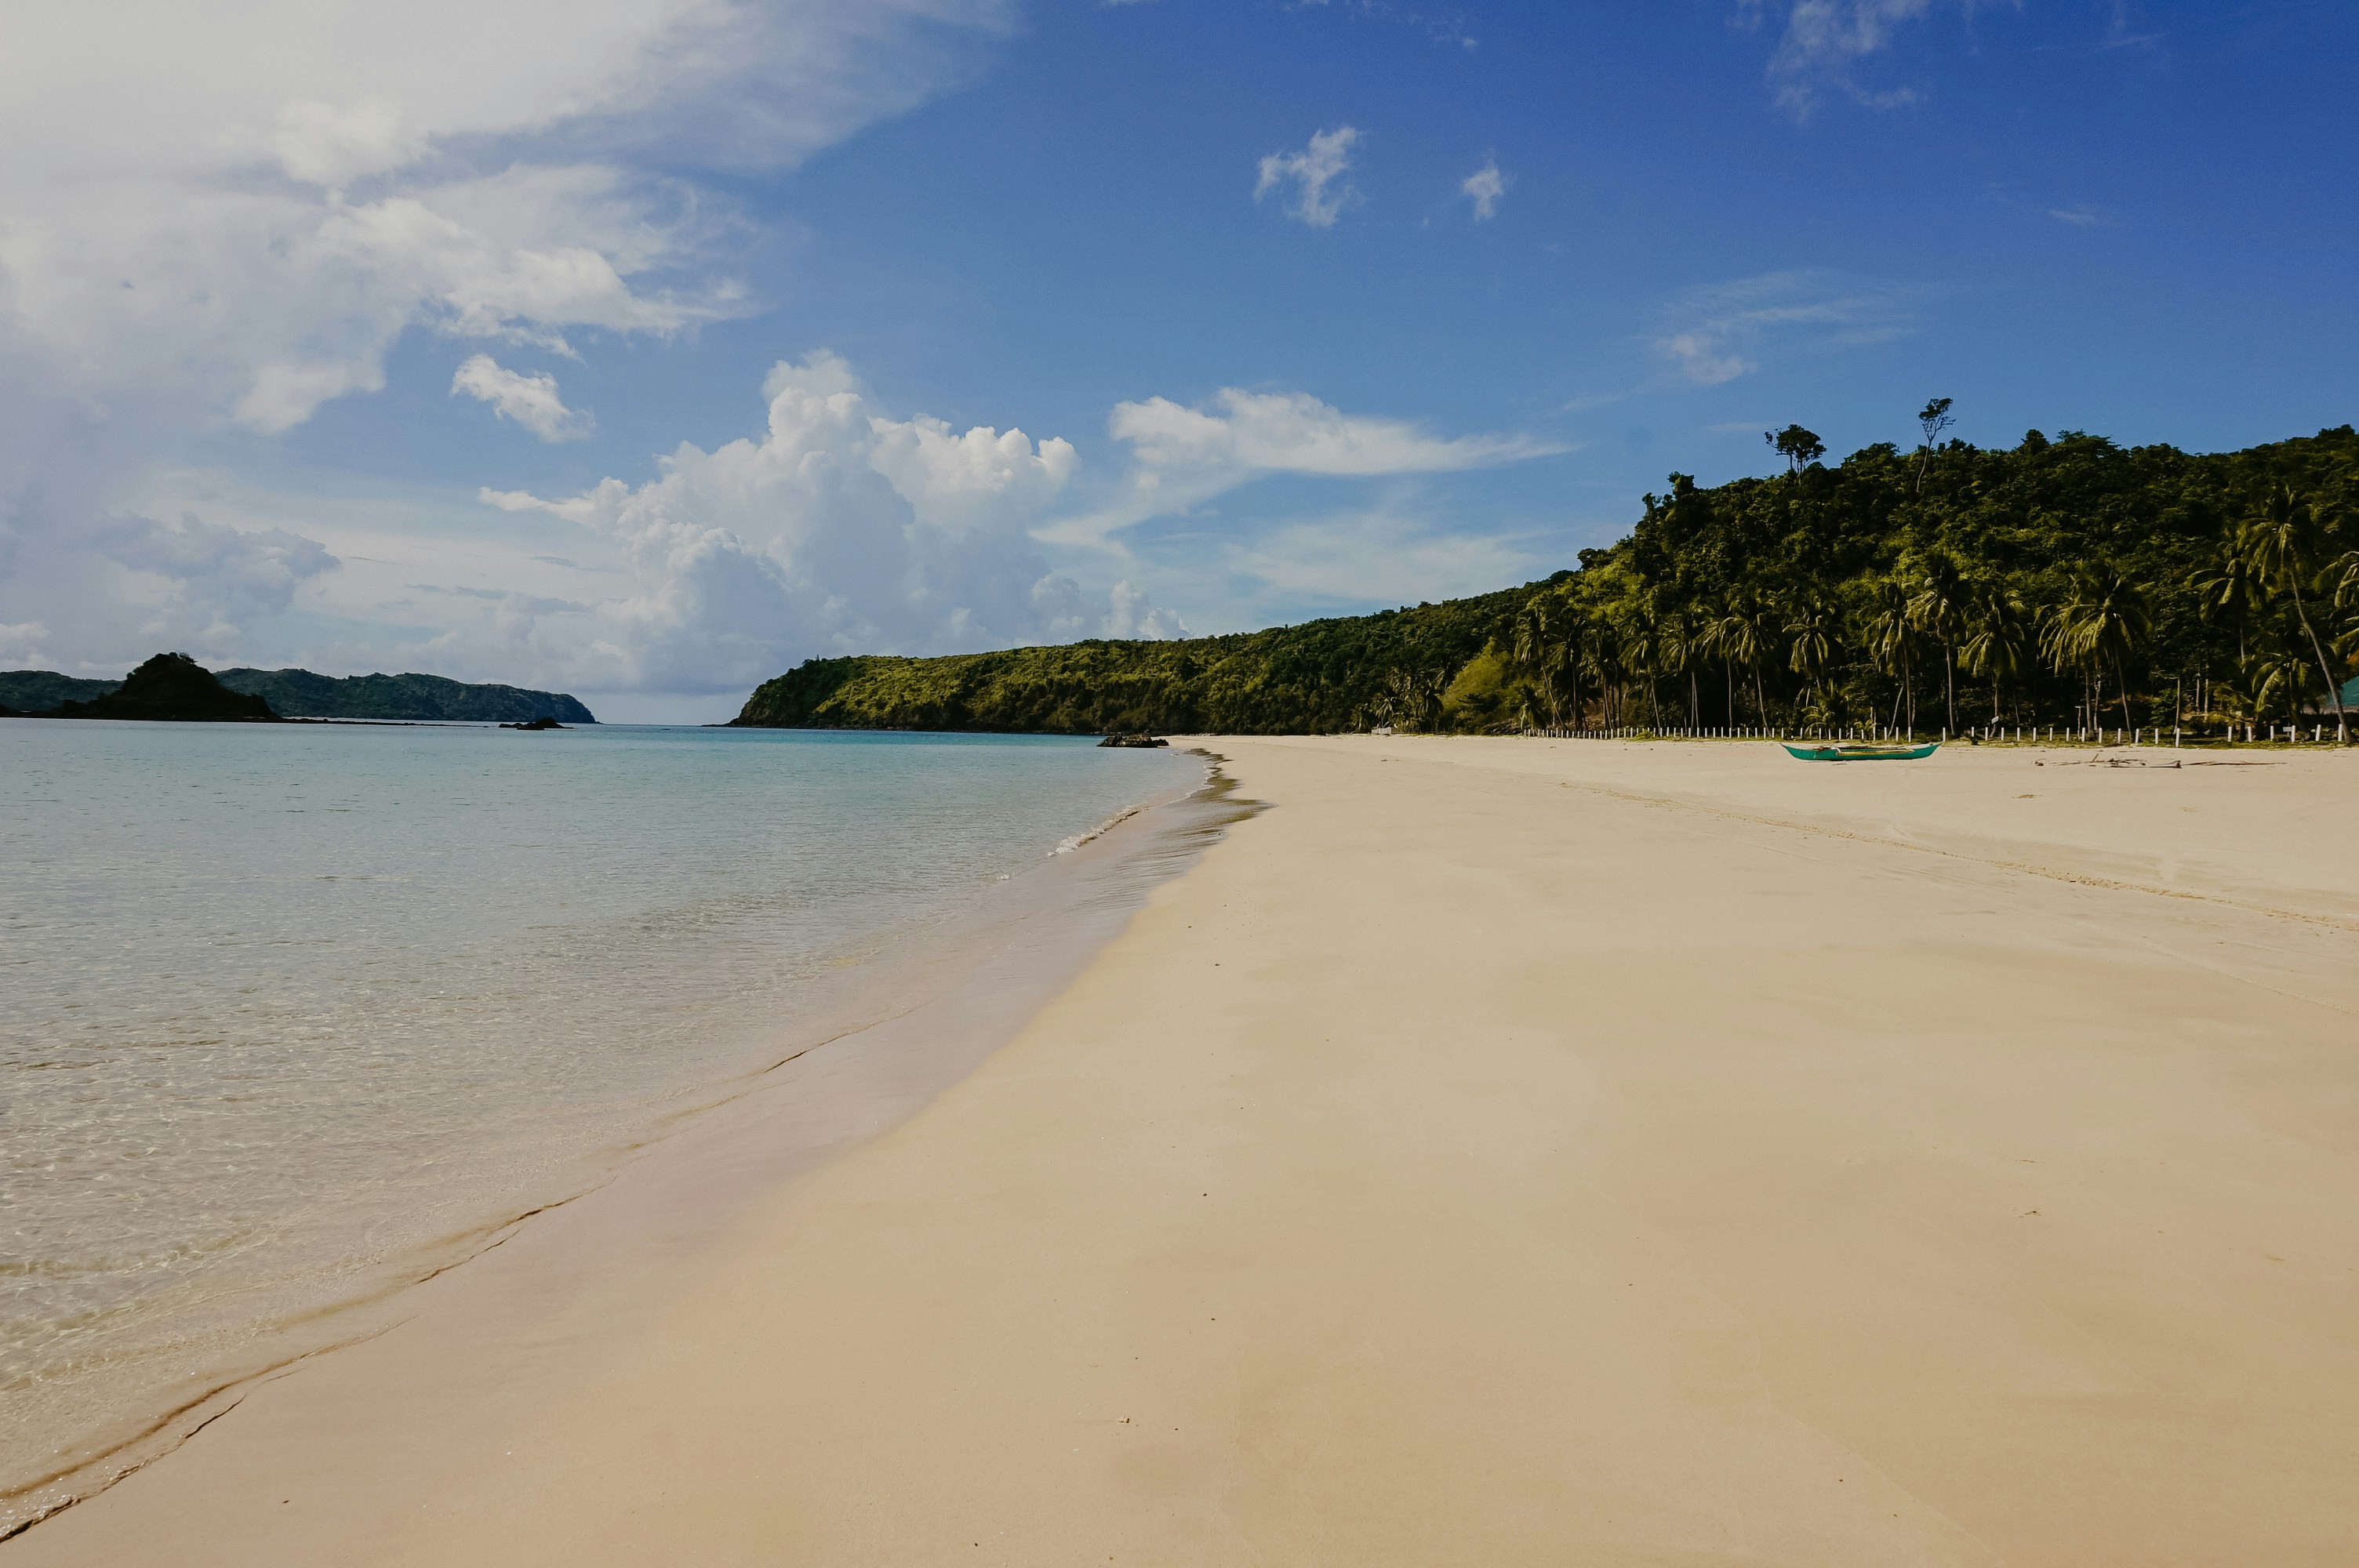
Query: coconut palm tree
pixel 1745 633
pixel 2103 620
pixel 1811 626
pixel 2000 644
pixel 1681 639
pixel 1892 643
pixel 2233 583
pixel 1939 607
pixel 1547 643
pixel 2288 542
pixel 1601 662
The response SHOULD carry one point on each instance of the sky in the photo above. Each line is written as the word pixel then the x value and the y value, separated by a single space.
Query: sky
pixel 642 349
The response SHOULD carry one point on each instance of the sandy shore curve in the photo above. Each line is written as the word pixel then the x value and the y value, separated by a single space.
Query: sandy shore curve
pixel 1495 1151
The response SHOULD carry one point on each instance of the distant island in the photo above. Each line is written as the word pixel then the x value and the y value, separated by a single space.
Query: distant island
pixel 170 686
pixel 2065 581
pixel 299 694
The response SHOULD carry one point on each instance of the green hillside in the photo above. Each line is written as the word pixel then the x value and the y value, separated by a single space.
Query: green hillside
pixel 299 694
pixel 2059 581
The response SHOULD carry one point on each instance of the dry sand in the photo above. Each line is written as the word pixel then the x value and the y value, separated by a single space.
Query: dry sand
pixel 1497 1153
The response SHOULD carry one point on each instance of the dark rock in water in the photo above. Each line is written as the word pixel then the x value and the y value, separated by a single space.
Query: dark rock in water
pixel 543 722
pixel 173 687
pixel 1134 741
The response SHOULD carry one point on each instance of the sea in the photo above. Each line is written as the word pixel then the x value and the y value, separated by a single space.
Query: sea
pixel 291 1016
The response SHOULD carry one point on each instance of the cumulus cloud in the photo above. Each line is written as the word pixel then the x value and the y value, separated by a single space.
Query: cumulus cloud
pixel 1718 332
pixel 1484 187
pixel 841 529
pixel 215 216
pixel 1822 43
pixel 201 583
pixel 532 401
pixel 1316 176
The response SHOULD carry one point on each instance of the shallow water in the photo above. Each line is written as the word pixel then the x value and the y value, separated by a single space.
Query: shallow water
pixel 289 1015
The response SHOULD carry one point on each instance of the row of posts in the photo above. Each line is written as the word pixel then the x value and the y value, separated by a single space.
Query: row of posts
pixel 2139 735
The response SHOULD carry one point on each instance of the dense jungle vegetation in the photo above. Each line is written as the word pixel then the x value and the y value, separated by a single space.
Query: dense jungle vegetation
pixel 2067 581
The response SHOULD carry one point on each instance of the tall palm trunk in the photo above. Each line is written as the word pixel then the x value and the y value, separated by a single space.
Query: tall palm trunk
pixel 2342 721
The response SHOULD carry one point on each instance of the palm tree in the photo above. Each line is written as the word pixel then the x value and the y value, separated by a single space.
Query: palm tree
pixel 1639 653
pixel 1547 638
pixel 1413 697
pixel 1892 643
pixel 1601 662
pixel 2288 541
pixel 1680 641
pixel 1939 608
pixel 2233 583
pixel 2000 643
pixel 1811 625
pixel 1737 637
pixel 2103 620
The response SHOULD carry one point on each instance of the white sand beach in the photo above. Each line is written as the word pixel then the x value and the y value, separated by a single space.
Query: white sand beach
pixel 1495 1151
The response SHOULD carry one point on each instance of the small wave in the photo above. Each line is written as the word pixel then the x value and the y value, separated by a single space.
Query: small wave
pixel 1077 839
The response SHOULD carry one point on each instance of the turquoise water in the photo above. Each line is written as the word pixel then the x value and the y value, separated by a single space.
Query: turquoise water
pixel 283 1010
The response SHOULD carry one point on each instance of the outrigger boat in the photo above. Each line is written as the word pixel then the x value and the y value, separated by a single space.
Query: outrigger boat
pixel 1863 753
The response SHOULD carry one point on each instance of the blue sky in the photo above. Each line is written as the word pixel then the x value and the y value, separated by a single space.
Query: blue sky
pixel 447 377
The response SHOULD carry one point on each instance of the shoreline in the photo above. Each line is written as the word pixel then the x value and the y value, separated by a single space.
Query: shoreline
pixel 1501 1151
pixel 1003 943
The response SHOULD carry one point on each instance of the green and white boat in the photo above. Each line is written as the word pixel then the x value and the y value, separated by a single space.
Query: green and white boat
pixel 1862 752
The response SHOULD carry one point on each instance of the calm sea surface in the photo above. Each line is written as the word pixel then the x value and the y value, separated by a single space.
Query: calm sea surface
pixel 285 1010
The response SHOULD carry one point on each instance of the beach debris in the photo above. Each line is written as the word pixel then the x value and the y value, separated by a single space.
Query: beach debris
pixel 1134 741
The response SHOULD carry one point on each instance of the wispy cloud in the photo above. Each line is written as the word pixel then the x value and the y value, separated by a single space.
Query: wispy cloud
pixel 532 401
pixel 1718 332
pixel 2082 216
pixel 1317 175
pixel 1484 187
pixel 1445 27
pixel 1182 457
pixel 1389 554
pixel 1822 43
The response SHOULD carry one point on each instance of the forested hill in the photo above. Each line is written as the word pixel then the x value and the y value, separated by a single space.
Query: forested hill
pixel 1939 587
pixel 299 694
pixel 1319 675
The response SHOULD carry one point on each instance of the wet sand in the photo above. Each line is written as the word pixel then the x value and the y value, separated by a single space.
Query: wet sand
pixel 1498 1151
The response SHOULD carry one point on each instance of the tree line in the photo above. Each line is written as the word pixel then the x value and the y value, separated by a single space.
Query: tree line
pixel 2067 581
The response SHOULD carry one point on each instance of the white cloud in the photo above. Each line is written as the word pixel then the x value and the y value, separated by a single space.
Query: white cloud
pixel 198 584
pixel 1484 187
pixel 1385 556
pixel 532 401
pixel 1182 457
pixel 1715 333
pixel 1294 432
pixel 1314 173
pixel 840 530
pixel 217 217
pixel 1823 41
pixel 2081 217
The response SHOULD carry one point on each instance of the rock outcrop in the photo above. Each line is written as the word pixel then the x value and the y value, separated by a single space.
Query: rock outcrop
pixel 174 687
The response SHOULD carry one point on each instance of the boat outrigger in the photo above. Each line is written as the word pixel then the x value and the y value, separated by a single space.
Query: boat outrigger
pixel 1863 753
